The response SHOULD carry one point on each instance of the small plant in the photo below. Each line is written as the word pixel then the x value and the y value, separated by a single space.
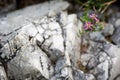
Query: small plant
pixel 96 5
pixel 90 20
pixel 91 23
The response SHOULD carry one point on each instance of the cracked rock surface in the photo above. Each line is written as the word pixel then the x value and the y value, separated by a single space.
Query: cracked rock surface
pixel 46 46
pixel 42 50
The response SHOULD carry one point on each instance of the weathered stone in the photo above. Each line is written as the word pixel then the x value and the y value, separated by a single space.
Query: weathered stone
pixel 25 60
pixel 117 14
pixel 3 75
pixel 11 24
pixel 93 62
pixel 79 75
pixel 56 77
pixel 108 30
pixel 116 36
pixel 117 23
pixel 90 77
pixel 85 58
pixel 33 44
pixel 97 36
pixel 105 67
pixel 115 67
pixel 112 20
pixel 72 38
pixel 41 45
pixel 60 64
pixel 99 58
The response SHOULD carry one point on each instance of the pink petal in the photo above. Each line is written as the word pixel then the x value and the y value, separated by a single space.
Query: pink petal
pixel 85 27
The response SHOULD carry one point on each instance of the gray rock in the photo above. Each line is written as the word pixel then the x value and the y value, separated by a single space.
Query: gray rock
pixel 60 64
pixel 99 58
pixel 79 75
pixel 56 77
pixel 116 36
pixel 117 23
pixel 93 62
pixel 98 73
pixel 90 77
pixel 41 46
pixel 72 39
pixel 85 58
pixel 38 47
pixel 109 50
pixel 97 36
pixel 27 61
pixel 117 14
pixel 11 24
pixel 105 67
pixel 3 75
pixel 112 20
pixel 115 67
pixel 31 43
pixel 108 30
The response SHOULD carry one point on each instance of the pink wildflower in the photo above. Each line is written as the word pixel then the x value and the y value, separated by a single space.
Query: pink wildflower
pixel 94 17
pixel 97 20
pixel 88 26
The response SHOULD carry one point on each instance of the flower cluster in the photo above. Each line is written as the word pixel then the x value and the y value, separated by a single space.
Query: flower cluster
pixel 91 23
pixel 94 17
pixel 88 26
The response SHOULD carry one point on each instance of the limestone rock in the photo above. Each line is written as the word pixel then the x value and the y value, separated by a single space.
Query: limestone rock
pixel 32 44
pixel 99 58
pixel 108 30
pixel 26 60
pixel 43 46
pixel 116 36
pixel 12 22
pixel 97 36
pixel 117 23
pixel 79 75
pixel 3 75
pixel 90 77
